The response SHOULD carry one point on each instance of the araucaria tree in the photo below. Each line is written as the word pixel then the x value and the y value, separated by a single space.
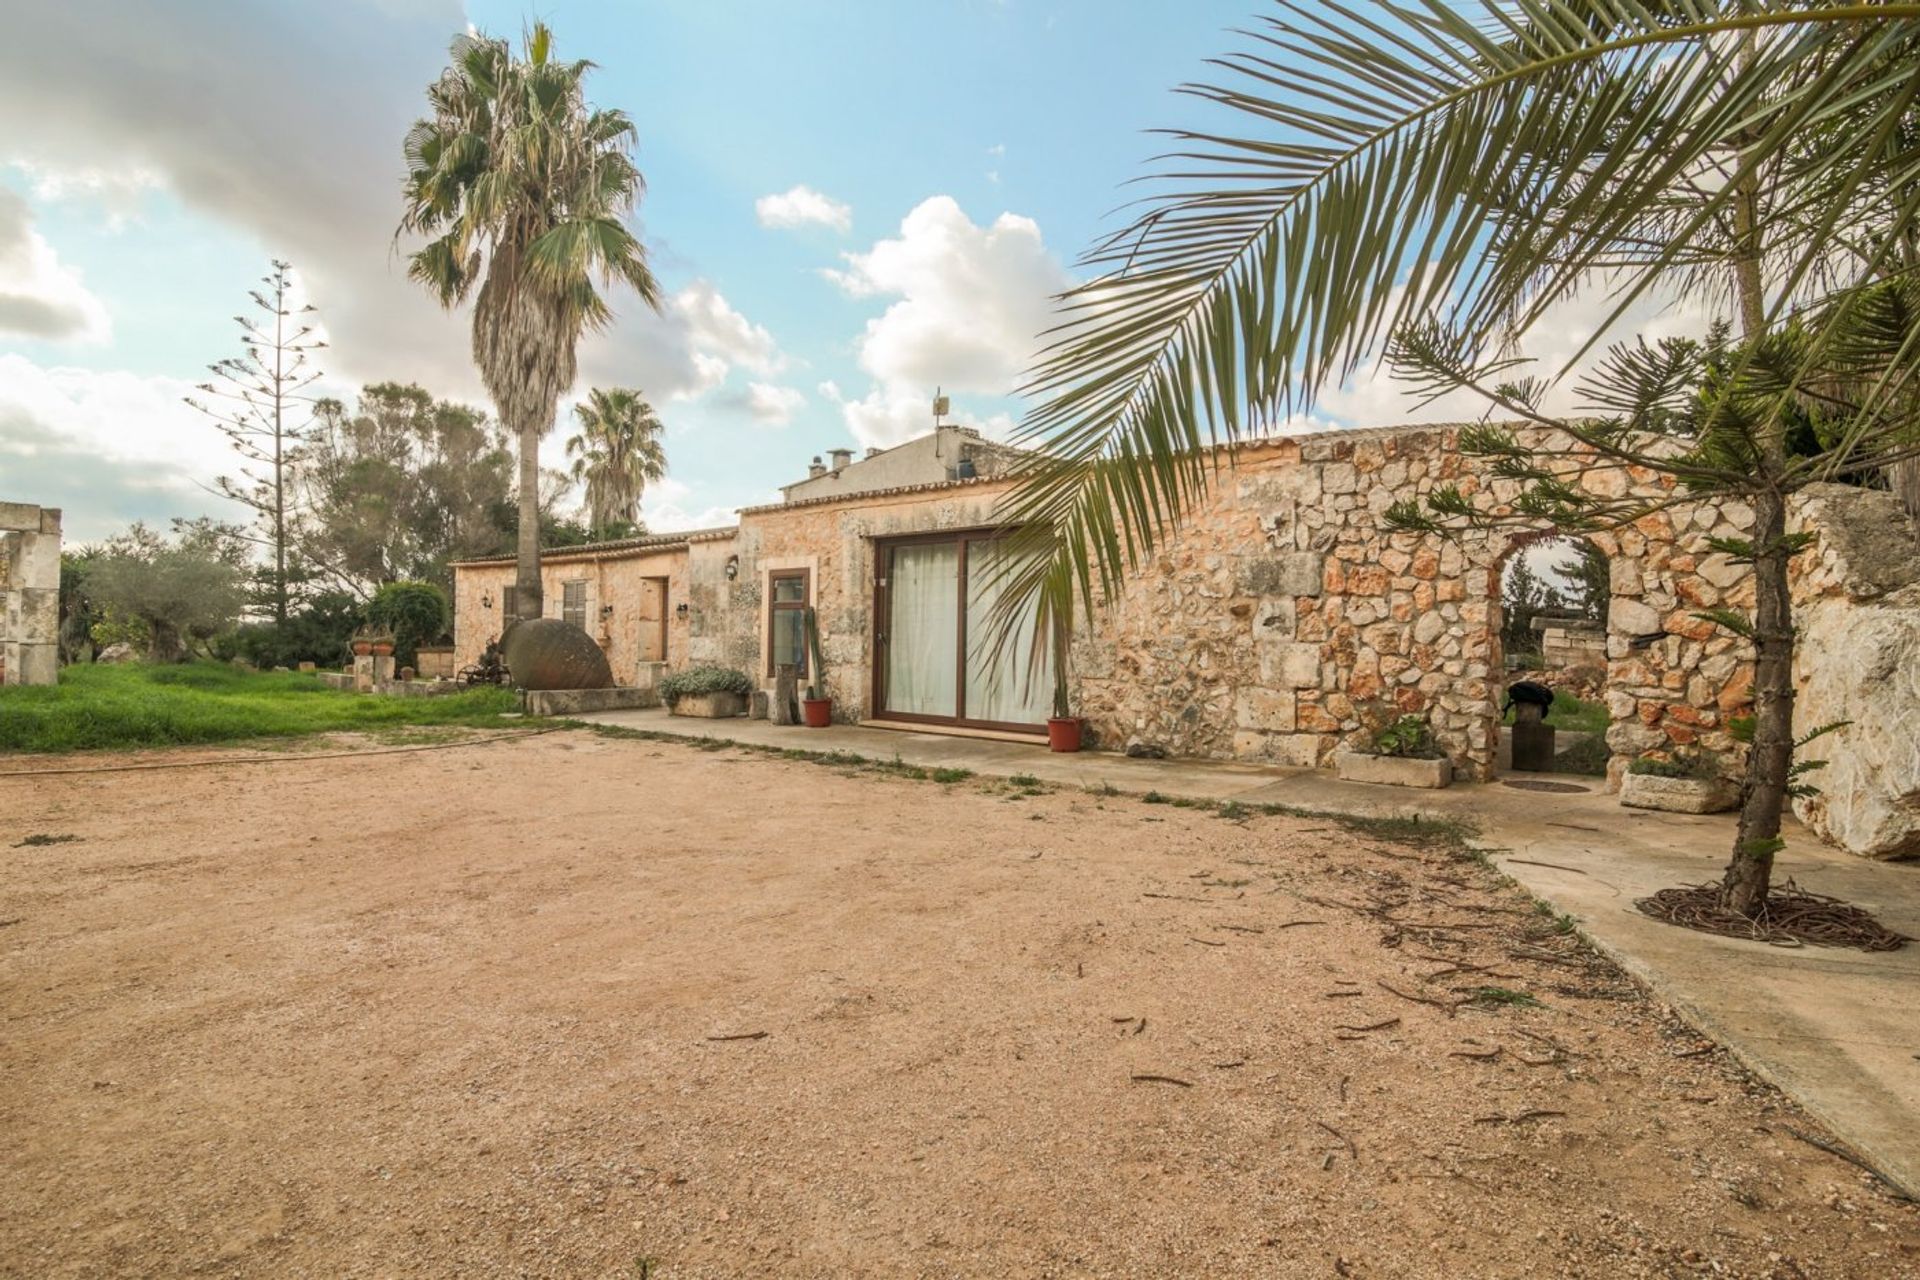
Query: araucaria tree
pixel 617 453
pixel 1442 176
pixel 523 187
pixel 256 398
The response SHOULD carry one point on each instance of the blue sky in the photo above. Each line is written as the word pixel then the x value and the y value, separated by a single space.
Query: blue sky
pixel 851 203
pixel 934 169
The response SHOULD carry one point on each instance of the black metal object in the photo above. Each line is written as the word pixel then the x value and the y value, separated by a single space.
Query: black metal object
pixel 491 669
pixel 547 653
pixel 1529 693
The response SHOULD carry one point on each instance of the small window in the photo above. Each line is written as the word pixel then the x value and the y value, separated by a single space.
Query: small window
pixel 573 603
pixel 506 606
pixel 786 620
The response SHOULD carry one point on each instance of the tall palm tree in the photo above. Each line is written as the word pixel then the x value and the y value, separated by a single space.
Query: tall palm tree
pixel 618 452
pixel 524 187
pixel 1476 161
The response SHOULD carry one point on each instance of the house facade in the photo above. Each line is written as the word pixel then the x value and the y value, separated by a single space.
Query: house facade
pixel 1281 620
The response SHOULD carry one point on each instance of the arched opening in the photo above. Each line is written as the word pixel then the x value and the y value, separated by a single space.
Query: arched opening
pixel 1550 631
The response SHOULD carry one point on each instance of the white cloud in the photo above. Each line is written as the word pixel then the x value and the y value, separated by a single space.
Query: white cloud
pixel 802 206
pixel 109 447
pixel 208 101
pixel 664 509
pixel 1374 397
pixel 39 296
pixel 971 302
pixel 119 191
pixel 771 405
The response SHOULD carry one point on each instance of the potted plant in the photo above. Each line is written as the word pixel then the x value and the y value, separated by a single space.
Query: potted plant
pixel 382 644
pixel 1063 727
pixel 362 643
pixel 1401 754
pixel 715 693
pixel 816 707
pixel 1678 782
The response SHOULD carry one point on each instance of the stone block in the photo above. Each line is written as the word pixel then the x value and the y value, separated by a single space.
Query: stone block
pixel 1632 618
pixel 1394 771
pixel 1295 573
pixel 1676 795
pixel 711 706
pixel 1291 665
pixel 1267 710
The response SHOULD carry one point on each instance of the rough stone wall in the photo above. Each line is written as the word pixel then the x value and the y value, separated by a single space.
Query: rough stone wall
pixel 1857 612
pixel 29 594
pixel 618 579
pixel 1283 619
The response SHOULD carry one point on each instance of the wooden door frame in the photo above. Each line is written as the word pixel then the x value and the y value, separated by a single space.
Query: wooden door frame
pixel 882 639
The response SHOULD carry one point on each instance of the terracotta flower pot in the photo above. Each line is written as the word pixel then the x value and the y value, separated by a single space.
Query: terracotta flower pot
pixel 382 649
pixel 1063 734
pixel 361 648
pixel 816 712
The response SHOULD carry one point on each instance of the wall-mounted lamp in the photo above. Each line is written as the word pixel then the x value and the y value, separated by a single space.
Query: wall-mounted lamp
pixel 681 609
pixel 486 599
pixel 733 567
pixel 606 611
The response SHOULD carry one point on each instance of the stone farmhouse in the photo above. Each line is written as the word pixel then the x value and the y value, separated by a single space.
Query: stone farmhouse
pixel 1281 621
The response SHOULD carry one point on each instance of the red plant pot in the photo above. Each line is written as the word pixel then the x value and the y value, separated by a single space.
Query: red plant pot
pixel 382 650
pixel 816 712
pixel 1063 734
pixel 361 648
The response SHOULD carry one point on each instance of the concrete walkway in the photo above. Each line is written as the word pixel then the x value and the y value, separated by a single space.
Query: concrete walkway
pixel 1837 1030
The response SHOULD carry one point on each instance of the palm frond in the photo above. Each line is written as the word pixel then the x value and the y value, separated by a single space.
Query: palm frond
pixel 1430 160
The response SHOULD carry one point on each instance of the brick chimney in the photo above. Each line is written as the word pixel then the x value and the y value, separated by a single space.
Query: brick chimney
pixel 815 469
pixel 841 457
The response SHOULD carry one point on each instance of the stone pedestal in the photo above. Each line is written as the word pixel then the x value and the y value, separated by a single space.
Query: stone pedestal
pixel 363 673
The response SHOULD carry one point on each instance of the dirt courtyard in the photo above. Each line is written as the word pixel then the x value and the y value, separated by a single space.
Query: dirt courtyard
pixel 571 1005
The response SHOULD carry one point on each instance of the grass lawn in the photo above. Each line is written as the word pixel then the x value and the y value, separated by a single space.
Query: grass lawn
pixel 1575 714
pixel 136 705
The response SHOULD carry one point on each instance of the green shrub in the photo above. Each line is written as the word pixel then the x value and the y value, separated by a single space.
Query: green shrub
pixel 416 613
pixel 1680 764
pixel 697 680
pixel 1409 738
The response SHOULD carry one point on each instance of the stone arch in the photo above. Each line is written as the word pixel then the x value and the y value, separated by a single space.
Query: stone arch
pixel 1570 657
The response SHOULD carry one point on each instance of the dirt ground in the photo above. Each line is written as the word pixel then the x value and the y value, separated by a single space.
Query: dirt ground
pixel 577 1006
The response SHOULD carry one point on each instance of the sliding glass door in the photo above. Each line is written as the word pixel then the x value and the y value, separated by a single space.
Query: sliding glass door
pixel 935 598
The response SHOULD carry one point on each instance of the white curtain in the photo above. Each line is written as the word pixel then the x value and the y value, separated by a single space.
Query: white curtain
pixel 924 589
pixel 1004 682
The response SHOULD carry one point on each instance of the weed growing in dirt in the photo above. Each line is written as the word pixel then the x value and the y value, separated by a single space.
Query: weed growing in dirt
pixel 40 841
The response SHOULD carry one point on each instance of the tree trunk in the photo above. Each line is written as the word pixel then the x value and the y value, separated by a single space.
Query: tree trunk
pixel 1764 794
pixel 526 581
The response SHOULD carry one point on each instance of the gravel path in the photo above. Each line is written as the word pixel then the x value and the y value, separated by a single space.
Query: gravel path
pixel 576 1006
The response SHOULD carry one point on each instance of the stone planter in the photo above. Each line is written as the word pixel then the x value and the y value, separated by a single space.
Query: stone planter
pixel 1676 795
pixel 711 706
pixel 1393 771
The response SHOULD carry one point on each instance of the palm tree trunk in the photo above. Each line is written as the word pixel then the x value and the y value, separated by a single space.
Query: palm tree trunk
pixel 1764 794
pixel 526 581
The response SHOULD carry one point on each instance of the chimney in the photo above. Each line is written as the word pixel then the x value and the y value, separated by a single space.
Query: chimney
pixel 873 451
pixel 841 457
pixel 815 470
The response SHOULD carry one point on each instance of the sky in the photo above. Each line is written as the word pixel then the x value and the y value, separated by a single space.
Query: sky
pixel 850 204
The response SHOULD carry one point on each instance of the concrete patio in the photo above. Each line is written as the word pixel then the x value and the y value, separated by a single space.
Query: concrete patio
pixel 1837 1030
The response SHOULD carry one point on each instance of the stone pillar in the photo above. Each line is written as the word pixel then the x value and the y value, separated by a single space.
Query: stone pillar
pixel 29 594
pixel 363 673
